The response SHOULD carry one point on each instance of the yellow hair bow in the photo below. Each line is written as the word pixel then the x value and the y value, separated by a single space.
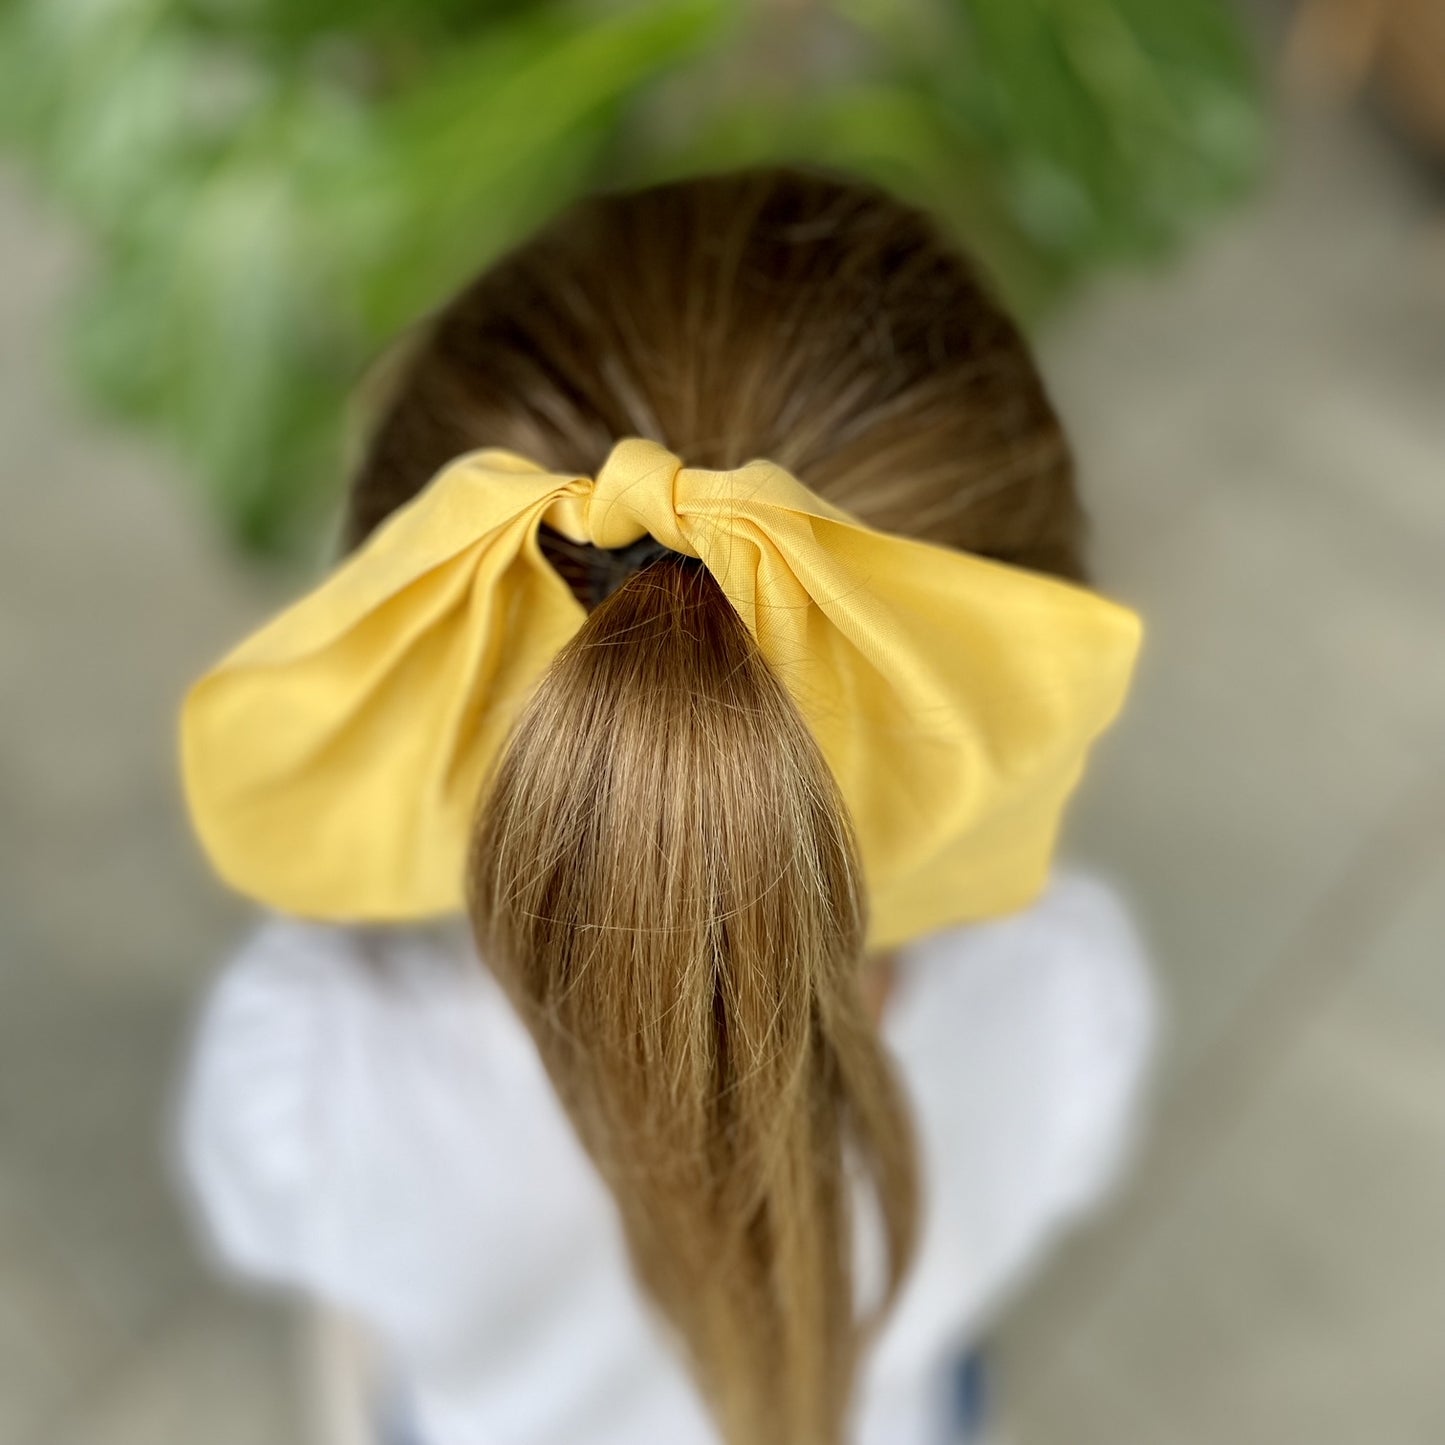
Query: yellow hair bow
pixel 333 761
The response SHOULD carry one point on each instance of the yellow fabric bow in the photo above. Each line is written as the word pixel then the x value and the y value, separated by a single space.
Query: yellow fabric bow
pixel 332 762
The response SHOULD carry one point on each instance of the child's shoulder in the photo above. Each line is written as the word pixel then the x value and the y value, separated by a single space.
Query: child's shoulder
pixel 1040 1026
pixel 370 1012
pixel 297 952
pixel 1075 946
pixel 332 1065
pixel 407 980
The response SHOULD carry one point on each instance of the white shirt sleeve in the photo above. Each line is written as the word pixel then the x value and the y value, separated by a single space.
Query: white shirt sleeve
pixel 1109 1026
pixel 366 1120
pixel 254 1133
pixel 1024 1044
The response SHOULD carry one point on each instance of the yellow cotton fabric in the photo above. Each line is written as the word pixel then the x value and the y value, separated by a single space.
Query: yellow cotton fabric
pixel 333 762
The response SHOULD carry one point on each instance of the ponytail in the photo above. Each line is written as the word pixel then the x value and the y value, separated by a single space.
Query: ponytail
pixel 664 878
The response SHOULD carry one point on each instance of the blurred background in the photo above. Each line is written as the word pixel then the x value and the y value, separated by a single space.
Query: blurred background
pixel 1226 226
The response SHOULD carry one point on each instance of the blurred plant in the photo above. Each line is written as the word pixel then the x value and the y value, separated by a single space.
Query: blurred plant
pixel 274 187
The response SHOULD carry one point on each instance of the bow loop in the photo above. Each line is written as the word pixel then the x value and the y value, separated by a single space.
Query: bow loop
pixel 633 497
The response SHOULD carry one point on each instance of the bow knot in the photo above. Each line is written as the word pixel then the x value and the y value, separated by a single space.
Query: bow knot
pixel 633 497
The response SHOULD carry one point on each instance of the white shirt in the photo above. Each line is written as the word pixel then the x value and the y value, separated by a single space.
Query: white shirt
pixel 367 1121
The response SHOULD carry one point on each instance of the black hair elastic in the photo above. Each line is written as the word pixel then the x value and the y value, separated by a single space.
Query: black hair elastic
pixel 609 569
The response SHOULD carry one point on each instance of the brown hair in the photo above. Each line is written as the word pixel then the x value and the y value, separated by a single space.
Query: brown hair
pixel 663 873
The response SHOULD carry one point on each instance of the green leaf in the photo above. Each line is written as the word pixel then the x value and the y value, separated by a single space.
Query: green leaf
pixel 501 136
pixel 271 188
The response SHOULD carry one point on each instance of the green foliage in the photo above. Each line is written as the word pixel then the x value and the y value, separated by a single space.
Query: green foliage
pixel 272 188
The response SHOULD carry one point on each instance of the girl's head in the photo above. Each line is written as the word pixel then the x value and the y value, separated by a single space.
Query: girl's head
pixel 663 874
pixel 815 322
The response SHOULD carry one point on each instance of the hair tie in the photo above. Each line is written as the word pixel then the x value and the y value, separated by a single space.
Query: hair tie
pixel 609 570
pixel 332 762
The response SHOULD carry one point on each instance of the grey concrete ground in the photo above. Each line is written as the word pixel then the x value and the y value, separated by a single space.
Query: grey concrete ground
pixel 1263 433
